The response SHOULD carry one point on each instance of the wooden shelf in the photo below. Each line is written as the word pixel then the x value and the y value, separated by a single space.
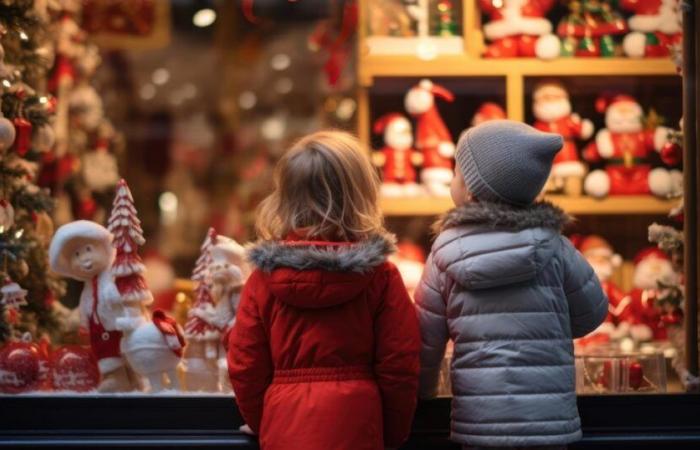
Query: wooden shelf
pixel 620 205
pixel 466 66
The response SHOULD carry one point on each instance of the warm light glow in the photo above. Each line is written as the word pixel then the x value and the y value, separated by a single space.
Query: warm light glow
pixel 168 204
pixel 280 61
pixel 160 76
pixel 19 234
pixel 204 17
pixel 23 36
pixel 247 100
pixel 273 128
pixel 147 91
pixel 426 50
pixel 284 86
pixel 346 108
pixel 43 100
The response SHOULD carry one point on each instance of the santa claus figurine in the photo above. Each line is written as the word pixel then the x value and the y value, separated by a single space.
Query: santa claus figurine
pixel 604 261
pixel 397 158
pixel 644 316
pixel 519 28
pixel 433 139
pixel 488 111
pixel 627 146
pixel 656 27
pixel 552 109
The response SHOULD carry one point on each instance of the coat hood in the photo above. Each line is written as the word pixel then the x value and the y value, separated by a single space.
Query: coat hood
pixel 309 274
pixel 485 245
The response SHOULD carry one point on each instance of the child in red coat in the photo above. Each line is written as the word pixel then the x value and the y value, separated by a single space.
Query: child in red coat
pixel 324 353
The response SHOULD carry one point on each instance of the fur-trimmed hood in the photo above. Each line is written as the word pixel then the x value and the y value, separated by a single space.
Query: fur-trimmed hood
pixel 500 216
pixel 359 256
pixel 319 274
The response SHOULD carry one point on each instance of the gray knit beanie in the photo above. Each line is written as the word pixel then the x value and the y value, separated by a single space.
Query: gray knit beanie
pixel 506 161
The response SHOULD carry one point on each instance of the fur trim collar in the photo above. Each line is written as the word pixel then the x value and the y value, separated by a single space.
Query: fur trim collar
pixel 357 257
pixel 505 217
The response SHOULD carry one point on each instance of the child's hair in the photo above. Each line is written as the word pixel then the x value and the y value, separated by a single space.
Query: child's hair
pixel 326 185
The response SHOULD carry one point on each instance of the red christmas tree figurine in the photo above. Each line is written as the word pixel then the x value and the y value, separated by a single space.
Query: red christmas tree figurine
pixel 128 268
pixel 197 327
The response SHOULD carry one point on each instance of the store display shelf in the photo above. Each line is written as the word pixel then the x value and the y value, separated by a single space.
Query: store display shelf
pixel 620 205
pixel 464 65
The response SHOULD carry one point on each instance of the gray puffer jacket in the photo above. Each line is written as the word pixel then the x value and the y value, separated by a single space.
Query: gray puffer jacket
pixel 511 293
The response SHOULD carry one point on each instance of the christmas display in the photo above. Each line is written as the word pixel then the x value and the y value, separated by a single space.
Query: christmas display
pixel 433 139
pixel 410 260
pixel 616 373
pixel 590 28
pixel 397 158
pixel 627 143
pixel 519 28
pixel 553 111
pixel 488 111
pixel 656 27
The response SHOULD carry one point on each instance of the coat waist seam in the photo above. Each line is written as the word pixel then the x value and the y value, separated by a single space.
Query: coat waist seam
pixel 318 374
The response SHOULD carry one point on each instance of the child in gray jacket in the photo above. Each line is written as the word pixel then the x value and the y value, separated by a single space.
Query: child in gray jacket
pixel 510 291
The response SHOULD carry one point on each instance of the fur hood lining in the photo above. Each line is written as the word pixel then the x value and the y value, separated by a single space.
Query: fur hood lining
pixel 500 216
pixel 357 257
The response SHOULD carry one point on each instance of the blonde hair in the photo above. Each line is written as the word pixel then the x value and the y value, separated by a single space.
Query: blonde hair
pixel 326 185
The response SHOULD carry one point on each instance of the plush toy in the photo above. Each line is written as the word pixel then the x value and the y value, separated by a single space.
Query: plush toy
pixel 488 111
pixel 433 139
pixel 627 145
pixel 589 29
pixel 552 109
pixel 656 27
pixel 644 316
pixel 599 254
pixel 519 28
pixel 397 158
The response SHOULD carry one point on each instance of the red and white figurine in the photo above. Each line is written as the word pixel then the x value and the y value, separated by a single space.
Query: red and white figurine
pixel 397 158
pixel 488 111
pixel 433 139
pixel 627 146
pixel 644 316
pixel 519 28
pixel 552 109
pixel 656 28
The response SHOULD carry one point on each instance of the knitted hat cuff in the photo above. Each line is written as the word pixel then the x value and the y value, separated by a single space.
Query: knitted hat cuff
pixel 472 178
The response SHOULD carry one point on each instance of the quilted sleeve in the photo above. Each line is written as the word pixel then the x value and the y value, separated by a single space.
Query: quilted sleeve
pixel 588 304
pixel 396 359
pixel 249 361
pixel 430 305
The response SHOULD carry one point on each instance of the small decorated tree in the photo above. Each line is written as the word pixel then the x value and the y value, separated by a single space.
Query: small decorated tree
pixel 128 268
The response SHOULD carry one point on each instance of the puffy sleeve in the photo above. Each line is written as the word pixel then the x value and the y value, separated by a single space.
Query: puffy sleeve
pixel 588 304
pixel 249 361
pixel 396 363
pixel 431 307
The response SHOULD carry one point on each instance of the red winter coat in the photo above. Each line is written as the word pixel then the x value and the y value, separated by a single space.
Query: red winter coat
pixel 324 354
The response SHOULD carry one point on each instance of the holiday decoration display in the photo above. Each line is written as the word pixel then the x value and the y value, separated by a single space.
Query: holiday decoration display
pixel 656 27
pixel 20 367
pixel 601 371
pixel 152 348
pixel 600 255
pixel 552 109
pixel 433 139
pixel 519 28
pixel 73 368
pixel 488 111
pixel 590 28
pixel 410 260
pixel 446 20
pixel 220 272
pixel 397 158
pixel 335 37
pixel 653 270
pixel 628 144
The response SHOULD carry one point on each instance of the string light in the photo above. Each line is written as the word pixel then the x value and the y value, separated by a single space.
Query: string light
pixel 204 17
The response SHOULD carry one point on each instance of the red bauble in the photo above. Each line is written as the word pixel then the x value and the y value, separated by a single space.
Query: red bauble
pixel 671 153
pixel 23 141
pixel 636 375
pixel 74 368
pixel 19 367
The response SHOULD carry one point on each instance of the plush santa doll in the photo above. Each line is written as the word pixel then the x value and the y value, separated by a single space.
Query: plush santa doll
pixel 627 146
pixel 397 158
pixel 604 261
pixel 644 315
pixel 433 139
pixel 656 27
pixel 552 109
pixel 488 111
pixel 519 28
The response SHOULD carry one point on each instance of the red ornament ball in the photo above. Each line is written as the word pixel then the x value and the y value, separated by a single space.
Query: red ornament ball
pixel 636 375
pixel 19 367
pixel 74 368
pixel 671 153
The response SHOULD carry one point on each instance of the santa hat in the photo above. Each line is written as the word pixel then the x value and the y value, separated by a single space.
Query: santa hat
pixel 596 245
pixel 65 235
pixel 607 100
pixel 650 253
pixel 488 111
pixel 436 90
pixel 383 122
